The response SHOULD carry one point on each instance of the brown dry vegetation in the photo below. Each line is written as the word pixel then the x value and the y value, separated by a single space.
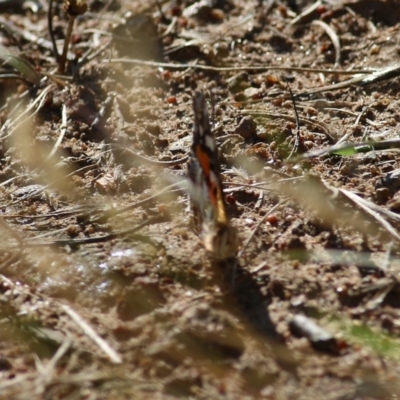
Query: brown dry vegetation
pixel 106 293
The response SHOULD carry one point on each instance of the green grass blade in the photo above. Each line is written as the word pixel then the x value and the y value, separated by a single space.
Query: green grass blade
pixel 21 65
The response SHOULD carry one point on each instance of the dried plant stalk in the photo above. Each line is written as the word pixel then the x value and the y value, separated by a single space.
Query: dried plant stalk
pixel 73 8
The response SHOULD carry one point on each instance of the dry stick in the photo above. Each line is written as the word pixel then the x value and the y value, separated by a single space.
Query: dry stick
pixel 62 133
pixel 290 118
pixel 260 200
pixel 241 68
pixel 90 56
pixel 240 186
pixel 80 208
pixel 96 239
pixel 86 328
pixel 89 331
pixel 386 262
pixel 365 206
pixel 376 146
pixel 51 233
pixel 306 13
pixel 297 141
pixel 40 99
pixel 73 8
pixel 363 112
pixel 63 58
pixel 374 77
pixel 18 380
pixel 51 32
pixel 47 371
pixel 380 296
pixel 150 161
pixel 59 213
pixel 104 212
pixel 333 36
pixel 30 37
pixel 13 76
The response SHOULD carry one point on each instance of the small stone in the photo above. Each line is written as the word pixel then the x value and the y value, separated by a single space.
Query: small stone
pixel 181 145
pixel 238 82
pixel 382 195
pixel 5 364
pixel 394 204
pixel 73 230
pixel 163 143
pixel 253 93
pixel 106 184
pixel 375 49
pixel 246 127
pixel 262 133
pixel 154 129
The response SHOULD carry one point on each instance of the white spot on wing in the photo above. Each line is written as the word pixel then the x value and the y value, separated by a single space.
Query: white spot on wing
pixel 210 143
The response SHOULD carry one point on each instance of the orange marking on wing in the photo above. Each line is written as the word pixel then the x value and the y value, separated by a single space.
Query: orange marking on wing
pixel 204 161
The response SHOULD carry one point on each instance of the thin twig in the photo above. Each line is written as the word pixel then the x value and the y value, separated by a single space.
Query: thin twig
pixel 297 141
pixel 306 13
pixel 63 130
pixel 304 121
pixel 92 55
pixel 63 58
pixel 51 32
pixel 59 213
pixel 333 36
pixel 260 200
pixel 40 99
pixel 392 144
pixel 97 239
pixel 47 371
pixel 387 260
pixel 378 75
pixel 89 331
pixel 365 206
pixel 241 68
pixel 149 161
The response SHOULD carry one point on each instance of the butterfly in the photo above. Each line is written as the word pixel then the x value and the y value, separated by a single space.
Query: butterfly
pixel 210 217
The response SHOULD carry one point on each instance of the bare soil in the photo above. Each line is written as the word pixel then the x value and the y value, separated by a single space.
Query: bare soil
pixel 105 291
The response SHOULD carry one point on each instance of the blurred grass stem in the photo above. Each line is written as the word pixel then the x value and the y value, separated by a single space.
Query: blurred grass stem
pixel 51 32
pixel 63 58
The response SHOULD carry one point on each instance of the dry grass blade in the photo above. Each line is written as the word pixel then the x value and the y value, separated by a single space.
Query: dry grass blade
pixel 63 130
pixel 22 66
pixel 306 14
pixel 291 118
pixel 333 207
pixel 350 149
pixel 363 204
pixel 333 36
pixel 107 292
pixel 232 68
pixel 88 330
pixel 11 125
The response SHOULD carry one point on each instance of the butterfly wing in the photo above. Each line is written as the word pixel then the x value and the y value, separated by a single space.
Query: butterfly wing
pixel 207 202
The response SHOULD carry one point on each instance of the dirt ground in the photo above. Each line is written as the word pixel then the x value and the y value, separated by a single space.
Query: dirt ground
pixel 105 291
